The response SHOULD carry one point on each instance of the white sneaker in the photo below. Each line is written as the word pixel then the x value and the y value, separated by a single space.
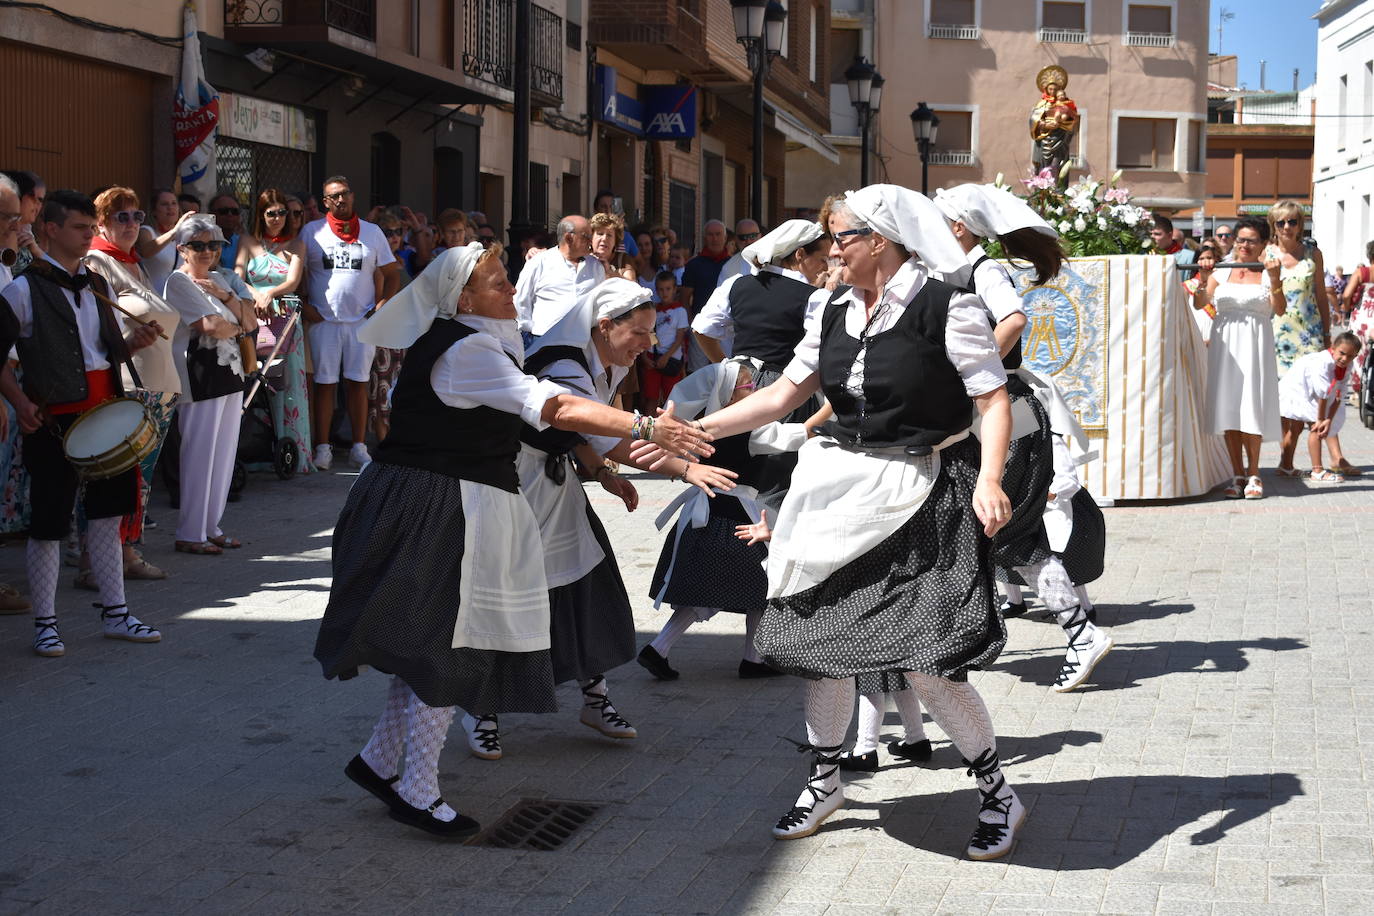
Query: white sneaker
pixel 815 803
pixel 998 822
pixel 324 456
pixel 1081 657
pixel 484 736
pixel 358 454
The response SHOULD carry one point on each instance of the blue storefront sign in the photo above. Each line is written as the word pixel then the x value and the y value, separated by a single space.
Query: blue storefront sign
pixel 624 111
pixel 670 112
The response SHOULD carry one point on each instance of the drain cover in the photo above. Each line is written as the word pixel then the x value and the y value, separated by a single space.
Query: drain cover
pixel 541 824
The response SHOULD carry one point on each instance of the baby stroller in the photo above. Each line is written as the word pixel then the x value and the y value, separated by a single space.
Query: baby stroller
pixel 262 440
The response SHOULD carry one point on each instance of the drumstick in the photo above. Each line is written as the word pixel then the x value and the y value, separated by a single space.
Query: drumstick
pixel 45 269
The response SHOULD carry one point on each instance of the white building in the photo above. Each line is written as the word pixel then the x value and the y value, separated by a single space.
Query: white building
pixel 1343 159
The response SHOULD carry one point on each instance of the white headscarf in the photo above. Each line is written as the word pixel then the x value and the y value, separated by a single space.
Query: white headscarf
pixel 911 220
pixel 710 388
pixel 782 241
pixel 610 298
pixel 433 294
pixel 989 211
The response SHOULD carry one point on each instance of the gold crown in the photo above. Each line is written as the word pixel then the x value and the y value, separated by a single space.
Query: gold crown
pixel 1052 74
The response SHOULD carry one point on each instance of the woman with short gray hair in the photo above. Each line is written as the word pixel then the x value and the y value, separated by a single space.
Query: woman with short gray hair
pixel 213 320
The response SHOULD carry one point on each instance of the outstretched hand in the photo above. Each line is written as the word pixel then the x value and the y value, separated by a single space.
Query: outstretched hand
pixel 709 478
pixel 618 486
pixel 679 438
pixel 757 533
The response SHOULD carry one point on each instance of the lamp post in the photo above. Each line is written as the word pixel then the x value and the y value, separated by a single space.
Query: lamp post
pixel 759 27
pixel 865 94
pixel 925 123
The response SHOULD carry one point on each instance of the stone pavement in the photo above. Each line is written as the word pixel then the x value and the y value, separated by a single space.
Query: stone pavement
pixel 1216 764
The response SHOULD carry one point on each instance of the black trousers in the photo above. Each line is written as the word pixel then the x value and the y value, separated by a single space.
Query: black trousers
pixel 54 483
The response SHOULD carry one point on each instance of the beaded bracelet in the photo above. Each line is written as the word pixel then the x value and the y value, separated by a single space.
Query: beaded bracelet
pixel 642 427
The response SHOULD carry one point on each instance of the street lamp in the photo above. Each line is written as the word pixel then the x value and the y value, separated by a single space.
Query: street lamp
pixel 926 124
pixel 759 26
pixel 865 94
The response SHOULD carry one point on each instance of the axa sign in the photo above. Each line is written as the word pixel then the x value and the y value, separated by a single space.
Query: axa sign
pixel 670 112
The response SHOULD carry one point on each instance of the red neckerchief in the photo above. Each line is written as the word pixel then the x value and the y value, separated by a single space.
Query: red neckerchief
pixel 283 239
pixel 345 229
pixel 665 306
pixel 1174 248
pixel 100 243
pixel 723 256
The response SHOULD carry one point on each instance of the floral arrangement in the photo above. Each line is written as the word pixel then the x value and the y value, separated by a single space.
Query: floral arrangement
pixel 1092 218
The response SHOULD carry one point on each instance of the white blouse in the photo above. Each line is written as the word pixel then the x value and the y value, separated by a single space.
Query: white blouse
pixel 968 336
pixel 477 371
pixel 991 283
pixel 714 320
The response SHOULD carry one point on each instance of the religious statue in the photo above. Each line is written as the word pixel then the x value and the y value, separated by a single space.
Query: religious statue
pixel 1053 121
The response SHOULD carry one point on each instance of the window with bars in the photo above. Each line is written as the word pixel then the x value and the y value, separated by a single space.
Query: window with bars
pixel 682 211
pixel 247 167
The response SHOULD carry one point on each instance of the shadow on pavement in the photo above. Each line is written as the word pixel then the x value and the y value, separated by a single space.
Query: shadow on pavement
pixel 1129 664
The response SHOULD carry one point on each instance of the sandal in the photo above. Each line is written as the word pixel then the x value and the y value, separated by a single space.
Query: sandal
pixel 1349 470
pixel 1288 472
pixel 203 548
pixel 226 542
pixel 1326 475
pixel 142 569
pixel 1254 489
pixel 1233 489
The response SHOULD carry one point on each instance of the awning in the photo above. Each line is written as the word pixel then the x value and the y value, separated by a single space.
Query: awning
pixel 797 132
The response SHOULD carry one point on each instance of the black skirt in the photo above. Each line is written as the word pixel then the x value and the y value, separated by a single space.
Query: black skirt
pixel 1026 481
pixel 592 625
pixel 921 600
pixel 397 555
pixel 1085 554
pixel 714 569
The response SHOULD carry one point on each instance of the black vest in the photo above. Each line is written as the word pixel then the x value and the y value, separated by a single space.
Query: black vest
pixel 477 443
pixel 913 395
pixel 54 370
pixel 1013 358
pixel 769 311
pixel 556 442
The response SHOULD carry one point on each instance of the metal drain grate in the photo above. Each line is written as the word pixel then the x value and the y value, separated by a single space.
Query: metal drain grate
pixel 540 824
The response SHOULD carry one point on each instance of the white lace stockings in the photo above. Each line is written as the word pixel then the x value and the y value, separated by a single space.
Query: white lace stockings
pixel 383 751
pixel 959 711
pixel 426 731
pixel 43 560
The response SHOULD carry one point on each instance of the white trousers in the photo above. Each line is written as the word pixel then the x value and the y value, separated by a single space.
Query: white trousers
pixel 209 442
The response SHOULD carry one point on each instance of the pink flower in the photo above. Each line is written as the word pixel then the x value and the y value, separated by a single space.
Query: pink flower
pixel 1043 180
pixel 1117 195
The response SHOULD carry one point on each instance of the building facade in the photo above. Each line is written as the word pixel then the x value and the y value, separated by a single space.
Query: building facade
pixel 1259 150
pixel 1137 71
pixel 1343 163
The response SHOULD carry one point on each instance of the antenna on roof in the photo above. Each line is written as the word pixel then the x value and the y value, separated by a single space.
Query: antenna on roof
pixel 1223 17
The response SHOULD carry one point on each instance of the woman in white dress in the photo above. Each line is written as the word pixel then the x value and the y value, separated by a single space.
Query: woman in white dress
pixel 1242 378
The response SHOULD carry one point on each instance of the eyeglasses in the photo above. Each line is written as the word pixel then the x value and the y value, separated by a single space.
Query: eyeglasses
pixel 202 247
pixel 130 216
pixel 1247 241
pixel 848 235
pixel 340 196
pixel 747 236
pixel 391 233
pixel 226 211
pixel 1281 223
pixel 275 214
pixel 10 218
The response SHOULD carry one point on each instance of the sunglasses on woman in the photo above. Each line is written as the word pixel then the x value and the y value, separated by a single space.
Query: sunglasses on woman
pixel 296 214
pixel 391 233
pixel 130 216
pixel 202 247
pixel 846 236
pixel 276 214
pixel 1282 223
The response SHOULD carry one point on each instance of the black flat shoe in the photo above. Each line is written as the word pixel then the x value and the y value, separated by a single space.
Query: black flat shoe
pixel 1012 609
pixel 860 763
pixel 385 789
pixel 656 664
pixel 919 751
pixel 424 819
pixel 749 670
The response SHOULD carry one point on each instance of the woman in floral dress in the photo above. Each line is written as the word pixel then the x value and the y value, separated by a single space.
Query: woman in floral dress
pixel 1305 326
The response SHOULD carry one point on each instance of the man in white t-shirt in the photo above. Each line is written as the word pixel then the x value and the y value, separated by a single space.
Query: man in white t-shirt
pixel 352 272
pixel 557 277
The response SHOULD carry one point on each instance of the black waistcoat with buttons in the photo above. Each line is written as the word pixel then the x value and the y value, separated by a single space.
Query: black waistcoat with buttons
pixel 475 443
pixel 769 311
pixel 1013 358
pixel 912 394
pixel 54 370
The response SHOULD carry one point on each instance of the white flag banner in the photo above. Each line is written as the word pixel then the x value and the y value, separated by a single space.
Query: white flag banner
pixel 194 115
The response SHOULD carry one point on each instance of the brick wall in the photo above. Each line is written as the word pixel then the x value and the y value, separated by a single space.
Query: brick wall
pixel 736 130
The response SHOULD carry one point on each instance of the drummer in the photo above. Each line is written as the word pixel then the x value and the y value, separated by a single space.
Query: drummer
pixel 64 376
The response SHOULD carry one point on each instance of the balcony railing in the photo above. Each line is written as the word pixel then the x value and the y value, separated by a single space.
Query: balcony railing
pixel 1064 36
pixel 356 17
pixel 951 157
pixel 489 48
pixel 1150 39
pixel 966 32
pixel 546 56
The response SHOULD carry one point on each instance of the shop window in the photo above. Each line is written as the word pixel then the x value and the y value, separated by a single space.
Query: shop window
pixel 1145 143
pixel 247 167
